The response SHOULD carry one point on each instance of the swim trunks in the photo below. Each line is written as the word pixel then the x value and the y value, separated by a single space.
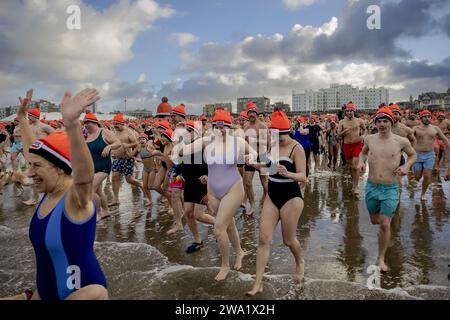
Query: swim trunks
pixel 123 165
pixel 352 150
pixel 17 147
pixel 425 160
pixel 382 198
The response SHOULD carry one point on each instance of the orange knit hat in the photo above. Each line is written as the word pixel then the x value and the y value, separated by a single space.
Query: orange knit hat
pixel 54 148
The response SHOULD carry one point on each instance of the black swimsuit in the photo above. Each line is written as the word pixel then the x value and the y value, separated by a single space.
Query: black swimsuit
pixel 282 189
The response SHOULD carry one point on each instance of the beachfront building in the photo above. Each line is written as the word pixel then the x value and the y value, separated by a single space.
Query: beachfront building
pixel 209 109
pixel 434 101
pixel 333 98
pixel 263 103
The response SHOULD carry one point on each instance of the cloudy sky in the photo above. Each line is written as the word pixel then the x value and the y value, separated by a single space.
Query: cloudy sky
pixel 203 51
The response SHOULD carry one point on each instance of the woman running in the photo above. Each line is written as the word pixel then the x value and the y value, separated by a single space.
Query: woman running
pixel 100 143
pixel 225 186
pixel 333 145
pixel 62 230
pixel 161 180
pixel 149 164
pixel 301 134
pixel 195 172
pixel 284 202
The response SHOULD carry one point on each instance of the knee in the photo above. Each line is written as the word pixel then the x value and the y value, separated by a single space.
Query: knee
pixel 99 293
pixel 264 240
pixel 385 226
pixel 289 242
pixel 219 229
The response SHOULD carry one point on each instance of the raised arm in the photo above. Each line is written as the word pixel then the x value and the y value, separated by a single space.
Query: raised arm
pixel 28 137
pixel 80 157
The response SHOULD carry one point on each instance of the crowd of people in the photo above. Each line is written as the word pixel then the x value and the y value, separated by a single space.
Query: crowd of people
pixel 203 169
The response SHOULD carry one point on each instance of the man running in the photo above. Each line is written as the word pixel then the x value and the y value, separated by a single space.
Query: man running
pixel 426 133
pixel 439 146
pixel 383 152
pixel 123 158
pixel 352 130
pixel 253 129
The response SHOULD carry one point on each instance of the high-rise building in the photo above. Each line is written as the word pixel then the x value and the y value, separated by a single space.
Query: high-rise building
pixel 209 109
pixel 263 103
pixel 336 96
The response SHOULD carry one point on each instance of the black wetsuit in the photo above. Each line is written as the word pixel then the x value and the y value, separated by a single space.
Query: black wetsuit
pixel 192 169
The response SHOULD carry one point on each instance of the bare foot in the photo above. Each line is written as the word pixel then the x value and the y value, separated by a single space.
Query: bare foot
pixel 250 212
pixel 383 267
pixel 424 197
pixel 256 289
pixel 239 257
pixel 30 202
pixel 222 275
pixel 174 229
pixel 300 272
pixel 113 204
pixel 147 203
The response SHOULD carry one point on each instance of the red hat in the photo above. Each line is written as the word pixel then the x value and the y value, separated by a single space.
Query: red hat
pixel 280 122
pixel 90 117
pixel 440 114
pixel 251 106
pixel 222 117
pixel 43 121
pixel 119 118
pixel 168 133
pixel 385 113
pixel 61 121
pixel 203 118
pixel 163 125
pixel 54 148
pixel 395 108
pixel 424 113
pixel 243 115
pixel 179 110
pixel 54 124
pixel 191 125
pixel 164 108
pixel 350 106
pixel 34 113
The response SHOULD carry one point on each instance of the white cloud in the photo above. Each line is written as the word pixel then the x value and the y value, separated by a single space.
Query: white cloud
pixel 36 44
pixel 184 39
pixel 297 4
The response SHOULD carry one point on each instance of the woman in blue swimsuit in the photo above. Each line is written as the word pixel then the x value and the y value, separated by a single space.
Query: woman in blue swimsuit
pixel 62 230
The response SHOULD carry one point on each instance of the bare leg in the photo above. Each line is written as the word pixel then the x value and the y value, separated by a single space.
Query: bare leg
pixel 191 222
pixel 425 183
pixel 269 219
pixel 146 188
pixel 355 174
pixel 34 198
pixel 202 216
pixel 383 241
pixel 91 292
pixel 248 183
pixel 233 235
pixel 289 215
pixel 99 177
pixel 227 208
pixel 134 182
pixel 177 206
pixel 116 188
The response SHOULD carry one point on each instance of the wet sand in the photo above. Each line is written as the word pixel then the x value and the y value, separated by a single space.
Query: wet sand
pixel 339 244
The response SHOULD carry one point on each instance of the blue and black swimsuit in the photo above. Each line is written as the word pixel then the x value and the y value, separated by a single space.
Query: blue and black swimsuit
pixel 64 249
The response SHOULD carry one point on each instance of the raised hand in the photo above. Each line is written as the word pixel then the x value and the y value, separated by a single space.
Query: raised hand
pixel 72 108
pixel 23 108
